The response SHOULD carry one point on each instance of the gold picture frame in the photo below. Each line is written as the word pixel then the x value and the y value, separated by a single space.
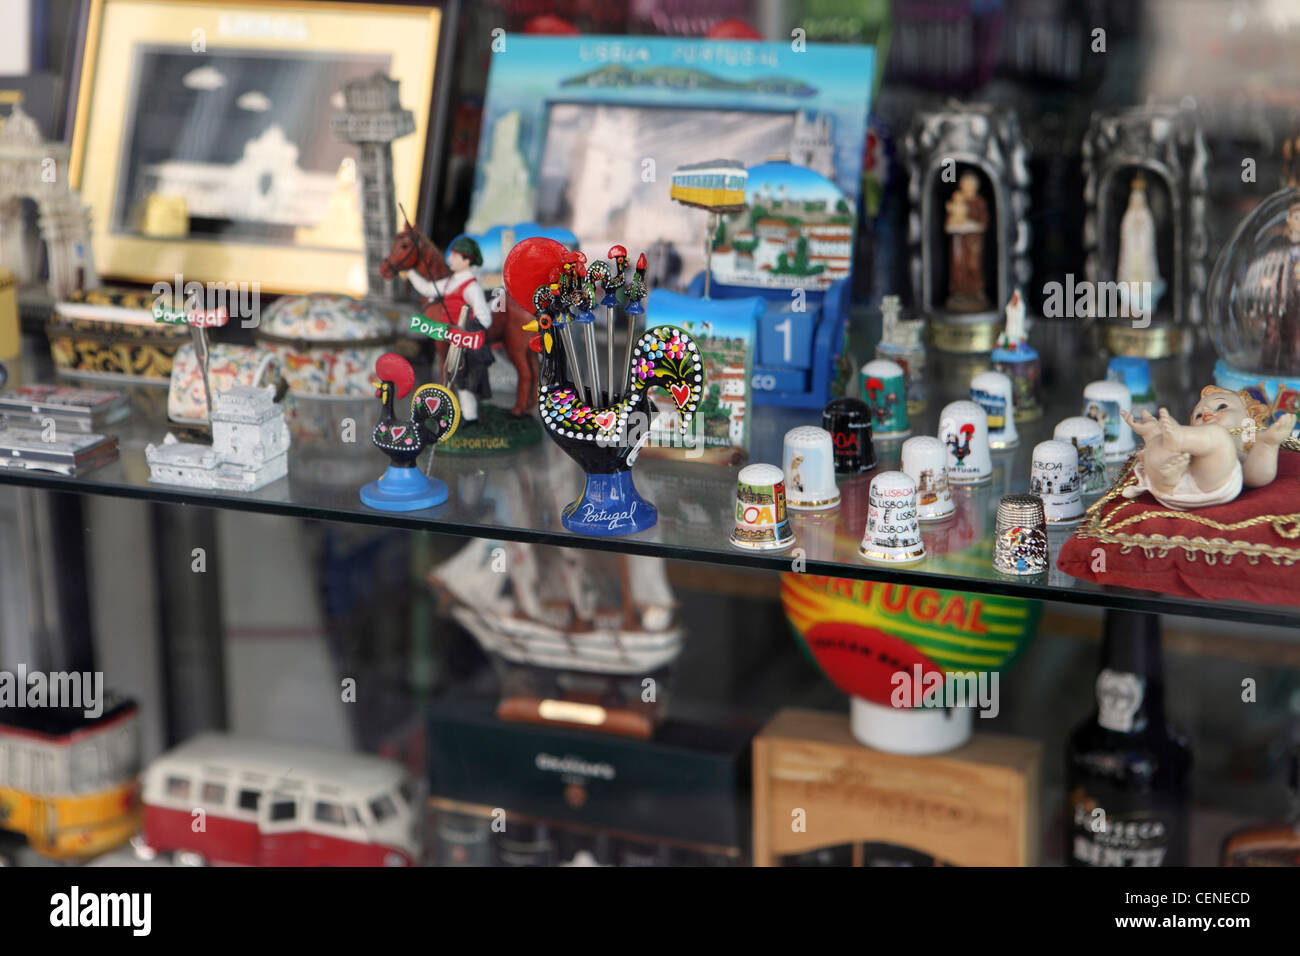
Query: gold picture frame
pixel 134 51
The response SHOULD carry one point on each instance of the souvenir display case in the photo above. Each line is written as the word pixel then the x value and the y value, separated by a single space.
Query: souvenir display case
pixel 605 448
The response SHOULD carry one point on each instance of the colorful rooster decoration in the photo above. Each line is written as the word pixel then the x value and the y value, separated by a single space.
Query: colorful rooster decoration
pixel 881 408
pixel 601 428
pixel 961 445
pixel 435 414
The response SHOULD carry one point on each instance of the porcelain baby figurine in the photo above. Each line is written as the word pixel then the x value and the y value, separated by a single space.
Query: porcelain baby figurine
pixel 1207 462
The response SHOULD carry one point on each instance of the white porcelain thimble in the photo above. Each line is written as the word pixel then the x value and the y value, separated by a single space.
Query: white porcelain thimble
pixel 1054 477
pixel 761 521
pixel 808 460
pixel 1102 402
pixel 925 461
pixel 893 535
pixel 964 430
pixel 1088 438
pixel 992 392
pixel 1020 541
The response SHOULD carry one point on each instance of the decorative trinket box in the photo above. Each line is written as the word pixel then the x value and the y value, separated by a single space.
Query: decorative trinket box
pixel 326 344
pixel 973 806
pixel 27 448
pixel 228 366
pixel 82 410
pixel 112 332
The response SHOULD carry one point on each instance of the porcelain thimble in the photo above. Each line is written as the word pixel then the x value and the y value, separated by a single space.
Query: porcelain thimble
pixel 1020 540
pixel 1102 402
pixel 884 386
pixel 964 430
pixel 849 422
pixel 925 461
pixel 893 535
pixel 992 392
pixel 761 521
pixel 1054 477
pixel 808 460
pixel 1088 439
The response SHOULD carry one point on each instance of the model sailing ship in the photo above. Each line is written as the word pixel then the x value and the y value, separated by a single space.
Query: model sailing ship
pixel 552 609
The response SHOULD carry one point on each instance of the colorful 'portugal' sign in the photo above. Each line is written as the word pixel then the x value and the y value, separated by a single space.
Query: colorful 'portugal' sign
pixel 441 332
pixel 862 632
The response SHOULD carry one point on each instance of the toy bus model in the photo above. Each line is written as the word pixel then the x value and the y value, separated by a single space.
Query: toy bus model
pixel 68 781
pixel 718 186
pixel 269 804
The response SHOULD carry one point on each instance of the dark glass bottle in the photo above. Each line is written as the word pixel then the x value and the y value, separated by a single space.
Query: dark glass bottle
pixel 1126 768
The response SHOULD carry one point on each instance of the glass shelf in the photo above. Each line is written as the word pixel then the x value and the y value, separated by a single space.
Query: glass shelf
pixel 520 497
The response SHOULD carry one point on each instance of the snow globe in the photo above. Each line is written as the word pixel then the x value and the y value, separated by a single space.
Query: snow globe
pixel 1254 303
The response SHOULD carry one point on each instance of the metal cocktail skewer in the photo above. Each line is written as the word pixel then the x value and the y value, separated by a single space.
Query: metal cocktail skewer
pixel 563 320
pixel 547 300
pixel 587 319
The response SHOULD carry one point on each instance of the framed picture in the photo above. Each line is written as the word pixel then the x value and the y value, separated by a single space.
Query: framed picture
pixel 583 133
pixel 202 136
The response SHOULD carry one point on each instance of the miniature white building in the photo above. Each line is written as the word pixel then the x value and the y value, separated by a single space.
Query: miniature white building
pixel 250 446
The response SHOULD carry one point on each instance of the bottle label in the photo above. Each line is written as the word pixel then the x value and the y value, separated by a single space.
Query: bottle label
pixel 1117 839
pixel 1119 696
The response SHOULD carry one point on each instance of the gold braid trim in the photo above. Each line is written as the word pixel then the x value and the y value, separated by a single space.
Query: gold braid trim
pixel 1106 528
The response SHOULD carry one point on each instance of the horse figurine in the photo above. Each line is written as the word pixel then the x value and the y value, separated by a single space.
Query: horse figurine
pixel 413 250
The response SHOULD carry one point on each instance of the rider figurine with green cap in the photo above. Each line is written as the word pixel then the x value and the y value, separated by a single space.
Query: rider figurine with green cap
pixel 461 288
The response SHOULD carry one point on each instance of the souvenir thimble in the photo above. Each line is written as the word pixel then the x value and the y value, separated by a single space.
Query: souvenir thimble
pixel 884 386
pixel 1088 439
pixel 1135 372
pixel 1020 541
pixel 991 391
pixel 1054 477
pixel 761 521
pixel 964 429
pixel 809 465
pixel 893 535
pixel 849 422
pixel 1102 402
pixel 925 461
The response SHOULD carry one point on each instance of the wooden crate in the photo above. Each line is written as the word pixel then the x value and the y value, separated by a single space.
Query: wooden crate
pixel 974 806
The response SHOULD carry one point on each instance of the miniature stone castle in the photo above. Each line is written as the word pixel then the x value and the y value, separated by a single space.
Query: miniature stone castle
pixel 250 446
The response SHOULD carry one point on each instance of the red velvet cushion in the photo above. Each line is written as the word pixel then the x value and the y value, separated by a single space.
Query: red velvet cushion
pixel 1192 553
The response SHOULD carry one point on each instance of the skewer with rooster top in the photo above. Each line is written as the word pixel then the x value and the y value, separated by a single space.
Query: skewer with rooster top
pixel 603 432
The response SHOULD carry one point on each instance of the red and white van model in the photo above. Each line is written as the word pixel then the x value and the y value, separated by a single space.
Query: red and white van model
pixel 268 804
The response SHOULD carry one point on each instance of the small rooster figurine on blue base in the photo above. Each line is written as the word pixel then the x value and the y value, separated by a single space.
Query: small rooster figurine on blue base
pixel 434 417
pixel 603 432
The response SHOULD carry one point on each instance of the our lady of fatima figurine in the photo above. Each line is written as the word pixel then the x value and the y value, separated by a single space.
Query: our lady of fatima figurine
pixel 967 221
pixel 1138 269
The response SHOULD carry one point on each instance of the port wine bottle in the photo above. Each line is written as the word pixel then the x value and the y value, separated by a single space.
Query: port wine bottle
pixel 1126 768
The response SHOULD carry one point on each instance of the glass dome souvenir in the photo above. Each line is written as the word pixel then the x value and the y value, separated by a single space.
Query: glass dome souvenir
pixel 1254 300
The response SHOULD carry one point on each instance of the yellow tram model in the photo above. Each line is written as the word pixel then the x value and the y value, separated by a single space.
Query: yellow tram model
pixel 68 783
pixel 718 185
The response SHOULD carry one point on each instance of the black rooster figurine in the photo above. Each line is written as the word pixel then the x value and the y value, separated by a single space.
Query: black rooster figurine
pixel 602 435
pixel 434 417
